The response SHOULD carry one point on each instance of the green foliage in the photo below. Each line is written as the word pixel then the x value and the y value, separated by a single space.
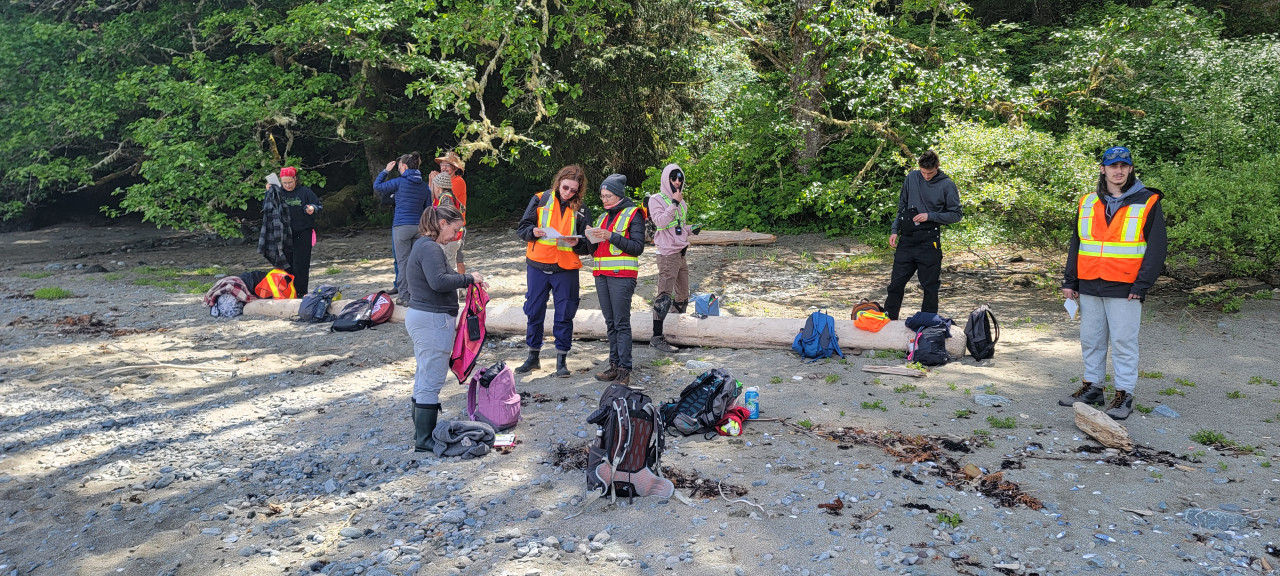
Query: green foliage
pixel 806 424
pixel 51 293
pixel 1209 195
pixel 775 380
pixel 903 389
pixel 964 413
pixel 1171 391
pixel 832 378
pixel 1258 381
pixel 1235 395
pixel 1151 375
pixel 332 271
pixel 877 405
pixel 1208 437
pixel 36 275
pixel 948 520
pixel 1002 423
pixel 1143 408
pixel 1023 181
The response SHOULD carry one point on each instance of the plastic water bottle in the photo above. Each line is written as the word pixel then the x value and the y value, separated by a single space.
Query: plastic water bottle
pixel 752 399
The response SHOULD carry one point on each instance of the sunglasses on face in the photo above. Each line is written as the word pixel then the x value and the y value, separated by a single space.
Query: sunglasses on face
pixel 568 188
pixel 677 177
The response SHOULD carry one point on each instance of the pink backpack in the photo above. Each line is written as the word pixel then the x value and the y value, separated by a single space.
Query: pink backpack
pixel 492 397
pixel 469 340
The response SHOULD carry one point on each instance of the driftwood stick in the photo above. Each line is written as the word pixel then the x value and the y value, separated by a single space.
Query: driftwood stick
pixel 720 487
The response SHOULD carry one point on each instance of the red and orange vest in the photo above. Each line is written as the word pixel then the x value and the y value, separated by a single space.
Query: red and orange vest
pixel 611 260
pixel 1112 251
pixel 548 250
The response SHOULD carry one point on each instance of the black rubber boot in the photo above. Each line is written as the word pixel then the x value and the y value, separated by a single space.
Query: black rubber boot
pixel 531 363
pixel 562 368
pixel 424 422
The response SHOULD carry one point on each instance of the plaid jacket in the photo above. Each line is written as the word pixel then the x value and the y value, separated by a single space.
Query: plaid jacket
pixel 275 241
pixel 232 285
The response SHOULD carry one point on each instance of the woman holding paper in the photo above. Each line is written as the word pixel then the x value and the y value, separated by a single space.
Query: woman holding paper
pixel 553 223
pixel 618 240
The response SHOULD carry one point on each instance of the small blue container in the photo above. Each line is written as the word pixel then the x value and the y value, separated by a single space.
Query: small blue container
pixel 752 400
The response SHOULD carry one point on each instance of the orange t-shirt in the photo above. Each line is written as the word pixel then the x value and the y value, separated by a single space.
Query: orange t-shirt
pixel 460 192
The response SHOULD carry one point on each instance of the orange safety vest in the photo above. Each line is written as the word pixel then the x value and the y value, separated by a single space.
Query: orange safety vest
pixel 548 250
pixel 276 284
pixel 611 260
pixel 1111 251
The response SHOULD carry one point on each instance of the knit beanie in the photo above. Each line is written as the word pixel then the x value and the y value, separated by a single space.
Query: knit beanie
pixel 442 181
pixel 615 184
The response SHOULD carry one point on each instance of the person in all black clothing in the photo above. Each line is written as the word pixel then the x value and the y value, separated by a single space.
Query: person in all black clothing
pixel 928 201
pixel 303 205
pixel 552 263
pixel 618 241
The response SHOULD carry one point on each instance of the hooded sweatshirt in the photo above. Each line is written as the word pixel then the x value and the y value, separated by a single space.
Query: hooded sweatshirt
pixel 410 192
pixel 1152 261
pixel 664 211
pixel 938 197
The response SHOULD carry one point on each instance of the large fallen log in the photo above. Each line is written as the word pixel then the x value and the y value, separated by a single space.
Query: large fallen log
pixel 731 238
pixel 679 329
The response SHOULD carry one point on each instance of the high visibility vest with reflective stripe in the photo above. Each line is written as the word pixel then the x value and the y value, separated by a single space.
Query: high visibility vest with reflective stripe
pixel 1111 251
pixel 276 284
pixel 611 260
pixel 547 250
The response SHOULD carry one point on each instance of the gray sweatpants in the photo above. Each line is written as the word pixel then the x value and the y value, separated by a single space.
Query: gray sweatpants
pixel 1113 321
pixel 402 243
pixel 432 334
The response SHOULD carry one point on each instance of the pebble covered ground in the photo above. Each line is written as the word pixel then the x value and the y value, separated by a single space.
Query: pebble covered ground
pixel 271 447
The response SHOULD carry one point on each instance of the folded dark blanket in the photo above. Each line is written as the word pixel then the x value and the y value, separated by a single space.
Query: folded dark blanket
pixel 460 438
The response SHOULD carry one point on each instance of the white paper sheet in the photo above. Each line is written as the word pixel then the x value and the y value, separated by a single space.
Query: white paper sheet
pixel 1072 306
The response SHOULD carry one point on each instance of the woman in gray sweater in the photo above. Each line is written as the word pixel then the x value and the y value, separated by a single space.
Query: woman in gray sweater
pixel 432 316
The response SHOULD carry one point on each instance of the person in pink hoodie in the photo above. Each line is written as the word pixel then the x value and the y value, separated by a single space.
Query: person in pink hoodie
pixel 670 215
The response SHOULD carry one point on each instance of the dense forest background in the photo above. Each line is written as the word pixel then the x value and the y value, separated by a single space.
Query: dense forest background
pixel 789 116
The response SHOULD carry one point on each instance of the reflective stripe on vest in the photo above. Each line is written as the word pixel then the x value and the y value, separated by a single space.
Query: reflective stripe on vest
pixel 682 212
pixel 610 258
pixel 1112 251
pixel 548 250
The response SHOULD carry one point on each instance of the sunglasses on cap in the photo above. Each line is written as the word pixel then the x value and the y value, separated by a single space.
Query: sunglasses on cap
pixel 1117 154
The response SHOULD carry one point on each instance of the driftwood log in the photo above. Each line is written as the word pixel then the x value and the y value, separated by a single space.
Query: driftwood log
pixel 679 329
pixel 731 238
pixel 1102 428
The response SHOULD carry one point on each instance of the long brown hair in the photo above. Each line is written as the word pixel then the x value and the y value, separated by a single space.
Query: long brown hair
pixel 571 172
pixel 429 224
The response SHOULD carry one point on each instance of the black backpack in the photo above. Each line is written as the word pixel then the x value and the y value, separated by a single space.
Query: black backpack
pixel 315 306
pixel 369 311
pixel 702 403
pixel 629 445
pixel 929 347
pixel 981 333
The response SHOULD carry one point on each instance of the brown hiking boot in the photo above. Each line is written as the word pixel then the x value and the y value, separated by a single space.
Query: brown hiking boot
pixel 1121 405
pixel 608 375
pixel 623 377
pixel 1089 393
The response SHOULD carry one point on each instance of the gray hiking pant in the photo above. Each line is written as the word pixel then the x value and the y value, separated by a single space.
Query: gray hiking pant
pixel 1113 321
pixel 432 334
pixel 401 244
pixel 615 303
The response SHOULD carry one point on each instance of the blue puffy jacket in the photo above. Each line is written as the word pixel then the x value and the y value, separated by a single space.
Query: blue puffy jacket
pixel 410 193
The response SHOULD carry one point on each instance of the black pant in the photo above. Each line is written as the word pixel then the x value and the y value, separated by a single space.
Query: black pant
pixel 615 303
pixel 300 260
pixel 919 252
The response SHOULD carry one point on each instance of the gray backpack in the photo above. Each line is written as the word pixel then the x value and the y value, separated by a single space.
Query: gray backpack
pixel 702 403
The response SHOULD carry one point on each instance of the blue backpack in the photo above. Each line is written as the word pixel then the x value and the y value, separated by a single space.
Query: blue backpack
pixel 818 337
